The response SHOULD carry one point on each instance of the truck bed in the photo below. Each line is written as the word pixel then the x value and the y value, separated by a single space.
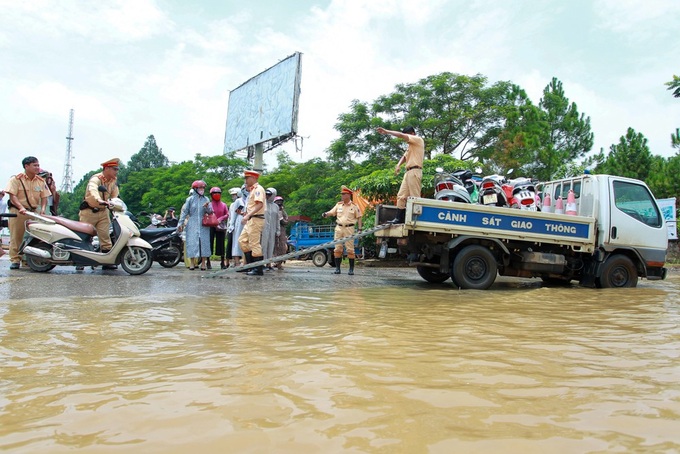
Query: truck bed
pixel 456 219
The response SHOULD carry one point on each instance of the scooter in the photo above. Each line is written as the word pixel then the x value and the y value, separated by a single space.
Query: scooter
pixel 448 187
pixel 491 192
pixel 467 178
pixel 54 240
pixel 523 194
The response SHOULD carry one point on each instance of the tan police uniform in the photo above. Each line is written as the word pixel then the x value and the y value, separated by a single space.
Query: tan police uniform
pixel 95 214
pixel 251 235
pixel 32 195
pixel 348 216
pixel 411 184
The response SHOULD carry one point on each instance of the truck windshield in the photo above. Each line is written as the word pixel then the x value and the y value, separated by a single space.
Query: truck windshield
pixel 637 202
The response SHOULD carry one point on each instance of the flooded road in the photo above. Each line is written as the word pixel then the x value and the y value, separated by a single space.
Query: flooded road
pixel 304 361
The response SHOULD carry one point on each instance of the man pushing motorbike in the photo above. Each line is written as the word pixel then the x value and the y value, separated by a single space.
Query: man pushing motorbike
pixel 93 209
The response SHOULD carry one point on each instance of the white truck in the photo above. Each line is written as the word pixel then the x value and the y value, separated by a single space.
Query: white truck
pixel 617 236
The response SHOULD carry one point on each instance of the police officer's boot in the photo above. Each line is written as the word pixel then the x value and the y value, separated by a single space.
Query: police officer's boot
pixel 351 267
pixel 247 258
pixel 338 261
pixel 258 270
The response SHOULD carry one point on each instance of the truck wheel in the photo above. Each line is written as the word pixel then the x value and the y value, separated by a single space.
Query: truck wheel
pixel 319 258
pixel 474 268
pixel 432 275
pixel 618 271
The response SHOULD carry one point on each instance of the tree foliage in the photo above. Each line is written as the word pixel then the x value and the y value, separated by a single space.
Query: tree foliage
pixel 495 125
pixel 148 157
pixel 569 134
pixel 675 86
pixel 629 158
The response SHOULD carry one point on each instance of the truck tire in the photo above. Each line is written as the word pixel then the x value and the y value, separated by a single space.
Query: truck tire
pixel 618 272
pixel 432 275
pixel 319 258
pixel 474 268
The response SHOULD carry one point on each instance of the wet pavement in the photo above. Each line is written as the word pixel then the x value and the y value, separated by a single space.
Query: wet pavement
pixel 65 281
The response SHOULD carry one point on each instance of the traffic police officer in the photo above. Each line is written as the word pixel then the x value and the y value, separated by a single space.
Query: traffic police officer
pixel 27 191
pixel 93 208
pixel 253 222
pixel 348 215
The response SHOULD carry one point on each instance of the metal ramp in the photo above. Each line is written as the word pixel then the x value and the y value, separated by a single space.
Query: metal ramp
pixel 294 254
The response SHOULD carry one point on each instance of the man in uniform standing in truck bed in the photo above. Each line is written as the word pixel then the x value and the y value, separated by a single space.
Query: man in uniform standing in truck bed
pixel 413 158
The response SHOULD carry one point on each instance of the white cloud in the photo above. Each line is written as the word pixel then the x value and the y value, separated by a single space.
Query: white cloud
pixel 50 98
pixel 111 21
pixel 631 16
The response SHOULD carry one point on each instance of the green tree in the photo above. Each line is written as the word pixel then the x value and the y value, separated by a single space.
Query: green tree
pixel 629 158
pixel 675 139
pixel 453 113
pixel 675 86
pixel 154 189
pixel 569 134
pixel 663 178
pixel 515 145
pixel 148 157
pixel 69 203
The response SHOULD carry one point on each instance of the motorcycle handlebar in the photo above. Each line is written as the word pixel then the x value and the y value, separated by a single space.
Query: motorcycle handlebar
pixel 8 215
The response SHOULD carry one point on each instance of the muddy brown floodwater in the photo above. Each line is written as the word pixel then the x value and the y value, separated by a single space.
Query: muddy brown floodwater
pixel 303 361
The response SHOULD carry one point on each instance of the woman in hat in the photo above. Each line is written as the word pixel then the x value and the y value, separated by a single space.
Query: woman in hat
pixel 197 235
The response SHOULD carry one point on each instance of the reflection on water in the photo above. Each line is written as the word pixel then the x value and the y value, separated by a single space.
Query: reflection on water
pixel 364 370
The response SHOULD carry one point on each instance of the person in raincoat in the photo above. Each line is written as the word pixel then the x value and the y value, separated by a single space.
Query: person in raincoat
pixel 281 244
pixel 236 211
pixel 197 235
pixel 272 228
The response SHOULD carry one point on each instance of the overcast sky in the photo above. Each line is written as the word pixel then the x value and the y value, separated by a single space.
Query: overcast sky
pixel 131 68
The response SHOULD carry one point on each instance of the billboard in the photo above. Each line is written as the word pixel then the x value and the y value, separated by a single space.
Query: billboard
pixel 265 108
pixel 667 207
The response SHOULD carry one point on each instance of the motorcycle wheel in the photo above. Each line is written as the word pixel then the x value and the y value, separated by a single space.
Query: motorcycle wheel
pixel 39 264
pixel 136 260
pixel 172 262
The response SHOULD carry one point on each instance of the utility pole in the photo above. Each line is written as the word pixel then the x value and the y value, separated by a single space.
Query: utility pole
pixel 67 179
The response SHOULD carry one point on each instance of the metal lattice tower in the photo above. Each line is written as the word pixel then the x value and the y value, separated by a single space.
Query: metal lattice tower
pixel 67 179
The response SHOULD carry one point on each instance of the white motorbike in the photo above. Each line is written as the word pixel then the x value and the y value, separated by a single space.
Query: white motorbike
pixel 53 240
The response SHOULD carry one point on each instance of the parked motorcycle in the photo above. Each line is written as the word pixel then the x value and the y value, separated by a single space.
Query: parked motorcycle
pixel 166 242
pixel 54 240
pixel 466 177
pixel 491 192
pixel 523 194
pixel 448 187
